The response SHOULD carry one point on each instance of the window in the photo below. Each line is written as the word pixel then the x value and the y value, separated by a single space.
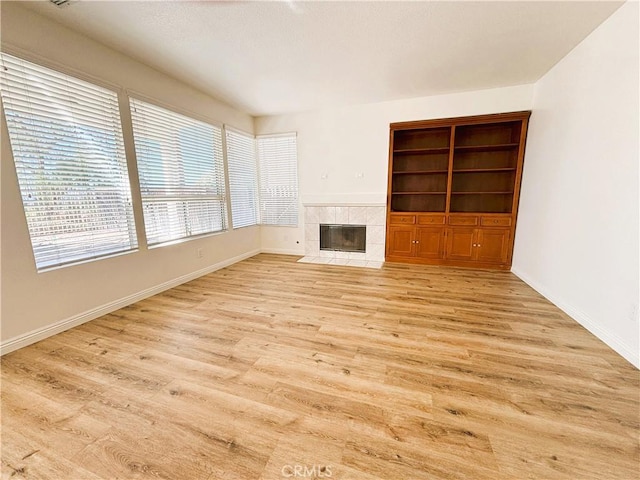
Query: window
pixel 68 150
pixel 243 178
pixel 278 179
pixel 181 173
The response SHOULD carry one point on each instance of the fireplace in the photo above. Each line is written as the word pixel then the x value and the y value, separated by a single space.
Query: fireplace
pixel 343 238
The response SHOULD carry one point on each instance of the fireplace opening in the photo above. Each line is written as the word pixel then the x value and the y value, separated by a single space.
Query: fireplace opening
pixel 343 238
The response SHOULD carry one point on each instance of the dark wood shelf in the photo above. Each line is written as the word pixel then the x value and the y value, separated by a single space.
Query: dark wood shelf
pixel 484 170
pixel 409 151
pixel 486 148
pixel 481 193
pixel 421 172
pixel 418 193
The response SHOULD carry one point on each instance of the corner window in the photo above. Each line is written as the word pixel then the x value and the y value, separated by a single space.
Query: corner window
pixel 278 163
pixel 243 178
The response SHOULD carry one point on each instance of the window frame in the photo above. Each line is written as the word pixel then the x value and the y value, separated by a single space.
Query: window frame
pixel 261 180
pixel 125 191
pixel 132 97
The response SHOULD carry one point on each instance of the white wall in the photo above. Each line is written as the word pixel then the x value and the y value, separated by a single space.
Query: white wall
pixel 33 302
pixel 343 143
pixel 577 234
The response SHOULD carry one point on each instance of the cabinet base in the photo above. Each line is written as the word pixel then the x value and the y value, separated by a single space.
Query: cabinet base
pixel 448 263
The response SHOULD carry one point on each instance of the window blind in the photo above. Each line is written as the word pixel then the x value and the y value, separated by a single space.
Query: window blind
pixel 181 173
pixel 243 178
pixel 278 165
pixel 68 151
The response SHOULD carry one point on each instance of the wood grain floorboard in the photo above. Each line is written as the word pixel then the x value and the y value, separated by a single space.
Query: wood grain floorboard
pixel 271 369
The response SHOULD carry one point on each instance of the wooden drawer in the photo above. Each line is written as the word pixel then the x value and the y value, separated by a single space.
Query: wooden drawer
pixel 430 219
pixel 463 220
pixel 495 221
pixel 403 219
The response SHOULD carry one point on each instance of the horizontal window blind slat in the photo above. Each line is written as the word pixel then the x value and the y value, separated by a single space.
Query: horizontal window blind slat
pixel 68 149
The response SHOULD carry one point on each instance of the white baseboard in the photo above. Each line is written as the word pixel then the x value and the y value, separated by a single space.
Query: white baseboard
pixel 611 339
pixel 283 251
pixel 41 333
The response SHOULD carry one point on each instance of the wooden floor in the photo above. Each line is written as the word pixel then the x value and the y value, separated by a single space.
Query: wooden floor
pixel 272 369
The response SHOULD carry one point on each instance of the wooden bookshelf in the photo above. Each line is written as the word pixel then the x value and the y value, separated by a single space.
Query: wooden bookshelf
pixel 454 184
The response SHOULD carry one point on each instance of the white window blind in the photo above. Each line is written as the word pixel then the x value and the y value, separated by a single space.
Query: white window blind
pixel 243 178
pixel 181 173
pixel 68 151
pixel 278 161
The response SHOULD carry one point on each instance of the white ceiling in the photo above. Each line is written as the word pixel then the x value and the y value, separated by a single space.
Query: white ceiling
pixel 286 56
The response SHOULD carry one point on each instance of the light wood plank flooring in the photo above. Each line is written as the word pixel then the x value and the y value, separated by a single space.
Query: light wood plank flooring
pixel 272 369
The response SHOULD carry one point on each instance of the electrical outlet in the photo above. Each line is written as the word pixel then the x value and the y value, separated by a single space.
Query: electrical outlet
pixel 199 253
pixel 633 313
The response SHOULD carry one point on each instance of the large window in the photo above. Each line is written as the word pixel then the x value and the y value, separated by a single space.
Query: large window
pixel 68 151
pixel 243 178
pixel 181 173
pixel 277 157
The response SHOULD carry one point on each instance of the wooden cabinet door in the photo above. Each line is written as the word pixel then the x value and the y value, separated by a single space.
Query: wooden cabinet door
pixel 401 240
pixel 429 242
pixel 493 245
pixel 460 243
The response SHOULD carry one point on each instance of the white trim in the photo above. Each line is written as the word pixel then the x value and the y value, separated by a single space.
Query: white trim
pixel 237 130
pixel 283 251
pixel 609 338
pixel 41 333
pixel 275 135
pixel 344 204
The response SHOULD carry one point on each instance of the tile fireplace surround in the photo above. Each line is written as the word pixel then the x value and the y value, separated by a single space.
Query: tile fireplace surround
pixel 372 216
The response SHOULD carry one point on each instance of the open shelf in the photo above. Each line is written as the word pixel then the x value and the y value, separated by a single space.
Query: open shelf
pixel 421 172
pixel 481 202
pixel 494 159
pixel 408 151
pixel 422 139
pixel 492 181
pixel 488 135
pixel 419 193
pixel 486 148
pixel 483 170
pixel 421 163
pixel 430 202
pixel 418 183
pixel 481 193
